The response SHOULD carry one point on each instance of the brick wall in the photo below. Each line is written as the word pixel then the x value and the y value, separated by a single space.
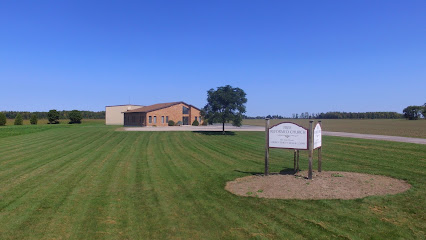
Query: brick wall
pixel 195 114
pixel 174 113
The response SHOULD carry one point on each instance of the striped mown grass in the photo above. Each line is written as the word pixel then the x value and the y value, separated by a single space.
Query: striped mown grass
pixel 91 182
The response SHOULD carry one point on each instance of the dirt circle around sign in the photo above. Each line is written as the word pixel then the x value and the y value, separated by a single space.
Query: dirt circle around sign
pixel 324 185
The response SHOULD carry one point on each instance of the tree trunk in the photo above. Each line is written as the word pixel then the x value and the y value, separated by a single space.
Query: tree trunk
pixel 223 128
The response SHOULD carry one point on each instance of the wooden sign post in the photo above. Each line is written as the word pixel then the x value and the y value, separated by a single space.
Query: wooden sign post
pixel 318 142
pixel 320 150
pixel 295 160
pixel 267 147
pixel 298 168
pixel 311 138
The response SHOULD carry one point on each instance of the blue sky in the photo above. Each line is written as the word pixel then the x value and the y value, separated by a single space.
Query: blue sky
pixel 288 56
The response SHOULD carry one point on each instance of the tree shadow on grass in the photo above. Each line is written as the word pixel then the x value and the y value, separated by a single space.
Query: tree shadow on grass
pixel 285 171
pixel 218 133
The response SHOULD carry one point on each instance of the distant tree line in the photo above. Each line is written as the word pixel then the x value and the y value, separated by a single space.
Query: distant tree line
pixel 62 114
pixel 53 116
pixel 358 115
pixel 263 117
pixel 336 115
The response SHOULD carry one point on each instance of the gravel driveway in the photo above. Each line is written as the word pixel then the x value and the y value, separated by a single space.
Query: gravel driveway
pixel 250 128
pixel 209 128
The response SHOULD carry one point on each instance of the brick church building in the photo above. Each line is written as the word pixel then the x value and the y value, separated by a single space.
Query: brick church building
pixel 160 114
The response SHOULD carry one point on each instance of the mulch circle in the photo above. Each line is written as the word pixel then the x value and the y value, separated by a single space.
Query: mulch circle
pixel 324 185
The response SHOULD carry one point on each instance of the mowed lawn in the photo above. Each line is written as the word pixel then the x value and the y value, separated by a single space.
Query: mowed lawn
pixel 43 121
pixel 389 127
pixel 91 182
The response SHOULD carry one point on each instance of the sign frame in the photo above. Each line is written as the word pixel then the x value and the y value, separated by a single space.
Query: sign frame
pixel 307 136
pixel 320 136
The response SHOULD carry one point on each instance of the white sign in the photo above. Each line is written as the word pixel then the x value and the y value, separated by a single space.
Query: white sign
pixel 288 135
pixel 317 136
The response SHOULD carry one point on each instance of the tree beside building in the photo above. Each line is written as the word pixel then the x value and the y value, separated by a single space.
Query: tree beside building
pixel 225 104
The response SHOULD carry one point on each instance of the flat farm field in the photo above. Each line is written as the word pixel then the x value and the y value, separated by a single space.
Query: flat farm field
pixel 91 182
pixel 389 127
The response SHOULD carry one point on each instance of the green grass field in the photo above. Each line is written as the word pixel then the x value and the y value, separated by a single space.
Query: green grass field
pixel 9 122
pixel 91 182
pixel 389 127
pixel 11 130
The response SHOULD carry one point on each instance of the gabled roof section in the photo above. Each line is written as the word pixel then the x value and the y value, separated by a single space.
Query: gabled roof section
pixel 125 105
pixel 158 106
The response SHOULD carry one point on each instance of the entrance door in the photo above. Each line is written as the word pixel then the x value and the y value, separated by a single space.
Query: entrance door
pixel 185 120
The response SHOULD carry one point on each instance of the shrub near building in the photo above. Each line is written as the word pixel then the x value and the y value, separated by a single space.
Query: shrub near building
pixel 53 116
pixel 75 116
pixel 18 120
pixel 2 119
pixel 33 119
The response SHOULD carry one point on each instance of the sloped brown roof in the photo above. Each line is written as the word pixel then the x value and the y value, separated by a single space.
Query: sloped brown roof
pixel 124 105
pixel 157 106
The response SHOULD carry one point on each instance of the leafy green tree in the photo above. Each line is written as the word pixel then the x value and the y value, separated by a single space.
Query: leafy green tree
pixel 424 111
pixel 2 119
pixel 18 120
pixel 33 119
pixel 225 104
pixel 75 116
pixel 53 116
pixel 195 123
pixel 412 112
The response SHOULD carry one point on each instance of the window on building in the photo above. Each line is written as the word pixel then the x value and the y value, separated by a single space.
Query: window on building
pixel 162 119
pixel 185 120
pixel 200 119
pixel 185 110
pixel 155 119
pixel 150 119
pixel 167 119
pixel 196 119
